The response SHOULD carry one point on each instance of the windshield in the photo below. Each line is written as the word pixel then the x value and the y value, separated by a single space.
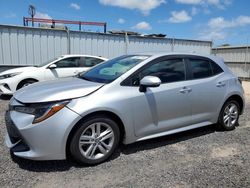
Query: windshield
pixel 112 69
pixel 47 62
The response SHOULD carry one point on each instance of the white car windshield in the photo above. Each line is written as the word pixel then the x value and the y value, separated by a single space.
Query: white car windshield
pixel 112 69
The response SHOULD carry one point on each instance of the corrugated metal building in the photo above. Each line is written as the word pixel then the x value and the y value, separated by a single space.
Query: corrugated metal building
pixel 32 46
pixel 237 58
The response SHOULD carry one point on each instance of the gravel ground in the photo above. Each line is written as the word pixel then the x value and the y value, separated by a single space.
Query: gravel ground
pixel 197 158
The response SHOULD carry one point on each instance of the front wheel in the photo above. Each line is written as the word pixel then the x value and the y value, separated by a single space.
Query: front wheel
pixel 25 83
pixel 95 140
pixel 229 115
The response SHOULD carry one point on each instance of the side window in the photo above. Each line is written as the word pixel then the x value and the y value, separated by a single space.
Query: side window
pixel 216 68
pixel 70 62
pixel 172 70
pixel 200 68
pixel 89 61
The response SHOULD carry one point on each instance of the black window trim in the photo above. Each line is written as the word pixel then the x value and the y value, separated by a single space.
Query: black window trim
pixel 212 62
pixel 66 59
pixel 187 59
pixel 157 60
pixel 82 60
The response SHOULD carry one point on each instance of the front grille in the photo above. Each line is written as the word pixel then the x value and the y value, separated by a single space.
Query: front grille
pixel 11 129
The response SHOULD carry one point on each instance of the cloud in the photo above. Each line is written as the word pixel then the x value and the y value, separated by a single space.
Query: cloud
pixel 121 21
pixel 142 26
pixel 212 35
pixel 42 15
pixel 218 28
pixel 221 4
pixel 194 11
pixel 144 6
pixel 220 23
pixel 179 17
pixel 190 2
pixel 10 15
pixel 75 6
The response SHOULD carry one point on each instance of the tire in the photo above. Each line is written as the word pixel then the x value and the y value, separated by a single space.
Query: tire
pixel 25 83
pixel 231 112
pixel 93 148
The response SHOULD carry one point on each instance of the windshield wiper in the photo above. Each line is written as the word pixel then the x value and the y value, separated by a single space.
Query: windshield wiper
pixel 84 78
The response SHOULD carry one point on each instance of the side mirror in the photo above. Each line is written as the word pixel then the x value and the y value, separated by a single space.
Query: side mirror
pixel 149 81
pixel 52 66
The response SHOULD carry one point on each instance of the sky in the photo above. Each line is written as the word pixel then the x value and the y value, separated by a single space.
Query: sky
pixel 222 21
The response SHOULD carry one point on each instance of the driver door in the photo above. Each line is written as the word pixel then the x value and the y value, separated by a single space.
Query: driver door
pixel 64 68
pixel 163 108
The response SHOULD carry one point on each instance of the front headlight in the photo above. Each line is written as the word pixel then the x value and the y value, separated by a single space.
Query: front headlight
pixel 4 76
pixel 41 111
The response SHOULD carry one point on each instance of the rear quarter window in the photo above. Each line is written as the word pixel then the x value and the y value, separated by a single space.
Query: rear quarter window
pixel 216 68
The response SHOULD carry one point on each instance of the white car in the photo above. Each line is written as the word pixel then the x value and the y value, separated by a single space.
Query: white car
pixel 63 66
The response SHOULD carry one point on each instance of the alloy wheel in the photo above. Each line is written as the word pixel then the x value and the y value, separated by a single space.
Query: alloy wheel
pixel 230 115
pixel 96 140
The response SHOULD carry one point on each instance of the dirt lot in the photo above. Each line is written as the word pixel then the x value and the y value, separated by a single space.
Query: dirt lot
pixel 197 158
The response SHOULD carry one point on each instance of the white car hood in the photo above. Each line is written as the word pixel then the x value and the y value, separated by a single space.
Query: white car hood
pixel 20 70
pixel 56 90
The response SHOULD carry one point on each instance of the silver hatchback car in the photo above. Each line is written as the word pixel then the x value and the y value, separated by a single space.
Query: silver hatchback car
pixel 129 99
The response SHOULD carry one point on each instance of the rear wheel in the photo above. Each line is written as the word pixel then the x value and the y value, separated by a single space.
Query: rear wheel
pixel 229 115
pixel 95 140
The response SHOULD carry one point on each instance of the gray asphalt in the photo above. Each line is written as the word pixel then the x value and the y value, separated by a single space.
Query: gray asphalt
pixel 198 158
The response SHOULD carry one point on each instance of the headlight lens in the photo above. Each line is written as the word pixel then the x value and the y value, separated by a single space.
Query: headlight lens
pixel 41 111
pixel 9 75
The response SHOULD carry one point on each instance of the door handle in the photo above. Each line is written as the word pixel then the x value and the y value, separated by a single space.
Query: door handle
pixel 220 84
pixel 185 90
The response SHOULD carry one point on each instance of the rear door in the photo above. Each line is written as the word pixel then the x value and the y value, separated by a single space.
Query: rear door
pixel 86 63
pixel 208 88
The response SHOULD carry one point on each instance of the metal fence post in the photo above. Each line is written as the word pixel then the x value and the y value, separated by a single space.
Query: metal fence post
pixel 105 27
pixel 68 43
pixel 211 46
pixel 126 43
pixel 24 24
pixel 172 46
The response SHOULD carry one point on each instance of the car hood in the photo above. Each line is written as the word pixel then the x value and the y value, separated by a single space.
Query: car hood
pixel 60 89
pixel 18 70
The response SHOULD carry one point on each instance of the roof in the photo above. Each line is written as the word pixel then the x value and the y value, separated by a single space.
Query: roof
pixel 230 47
pixel 155 55
pixel 173 53
pixel 83 55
